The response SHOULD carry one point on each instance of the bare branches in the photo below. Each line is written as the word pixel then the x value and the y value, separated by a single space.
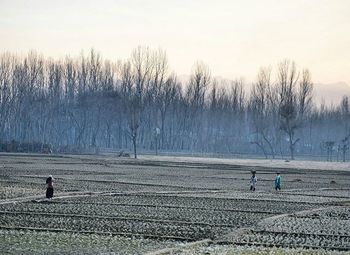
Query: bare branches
pixel 305 93
pixel 199 82
pixel 294 102
pixel 88 102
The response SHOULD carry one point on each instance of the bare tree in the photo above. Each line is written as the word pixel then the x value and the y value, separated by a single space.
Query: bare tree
pixel 344 110
pixel 261 111
pixel 195 96
pixel 166 96
pixel 136 77
pixel 286 86
pixel 7 65
pixel 294 102
pixel 305 94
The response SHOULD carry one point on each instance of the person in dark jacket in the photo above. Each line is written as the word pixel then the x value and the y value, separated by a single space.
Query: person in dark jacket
pixel 278 182
pixel 49 189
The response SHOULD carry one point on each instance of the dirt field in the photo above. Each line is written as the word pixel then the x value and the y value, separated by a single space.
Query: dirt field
pixel 106 205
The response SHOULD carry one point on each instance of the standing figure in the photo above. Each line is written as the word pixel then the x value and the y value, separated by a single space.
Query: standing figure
pixel 253 181
pixel 49 189
pixel 278 182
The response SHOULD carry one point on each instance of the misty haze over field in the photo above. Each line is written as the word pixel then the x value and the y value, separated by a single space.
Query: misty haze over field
pixel 175 127
pixel 208 78
pixel 88 103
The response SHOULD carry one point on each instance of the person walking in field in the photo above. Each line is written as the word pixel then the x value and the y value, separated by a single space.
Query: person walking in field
pixel 49 189
pixel 278 182
pixel 253 181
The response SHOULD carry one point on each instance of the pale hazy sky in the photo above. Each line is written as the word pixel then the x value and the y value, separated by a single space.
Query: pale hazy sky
pixel 234 37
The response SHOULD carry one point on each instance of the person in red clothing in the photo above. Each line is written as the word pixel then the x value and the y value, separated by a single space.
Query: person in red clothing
pixel 49 189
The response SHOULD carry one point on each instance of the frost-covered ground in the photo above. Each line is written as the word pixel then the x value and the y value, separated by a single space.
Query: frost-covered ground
pixel 276 163
pixel 161 205
pixel 256 250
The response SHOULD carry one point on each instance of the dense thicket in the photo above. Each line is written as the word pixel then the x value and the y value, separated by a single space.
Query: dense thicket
pixel 89 102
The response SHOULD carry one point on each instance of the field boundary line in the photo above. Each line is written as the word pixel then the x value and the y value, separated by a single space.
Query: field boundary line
pixel 99 233
pixel 286 245
pixel 41 198
pixel 172 206
pixel 267 221
pixel 237 198
pixel 172 250
pixel 299 233
pixel 117 218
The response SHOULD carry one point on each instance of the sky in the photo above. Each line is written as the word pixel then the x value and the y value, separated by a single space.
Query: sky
pixel 233 37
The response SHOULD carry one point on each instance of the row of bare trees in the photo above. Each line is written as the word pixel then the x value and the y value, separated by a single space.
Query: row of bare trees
pixel 90 102
pixel 280 108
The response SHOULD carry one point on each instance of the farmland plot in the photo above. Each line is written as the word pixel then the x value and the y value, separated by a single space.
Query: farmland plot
pixel 103 204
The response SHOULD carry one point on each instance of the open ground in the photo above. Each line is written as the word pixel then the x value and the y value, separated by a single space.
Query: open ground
pixel 166 205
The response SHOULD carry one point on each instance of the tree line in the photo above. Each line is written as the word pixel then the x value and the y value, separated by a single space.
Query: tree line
pixel 73 104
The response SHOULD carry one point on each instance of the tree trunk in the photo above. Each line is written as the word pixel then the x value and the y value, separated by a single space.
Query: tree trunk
pixel 291 146
pixel 134 136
